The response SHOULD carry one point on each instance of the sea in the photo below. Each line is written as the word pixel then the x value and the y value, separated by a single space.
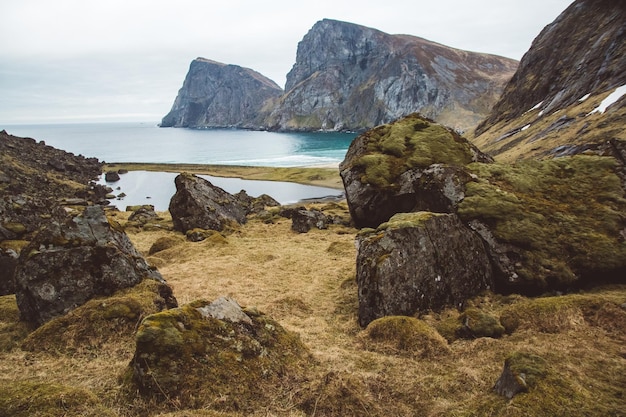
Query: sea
pixel 147 142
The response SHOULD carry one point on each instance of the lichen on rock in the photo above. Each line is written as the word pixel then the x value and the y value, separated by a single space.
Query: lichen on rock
pixel 214 355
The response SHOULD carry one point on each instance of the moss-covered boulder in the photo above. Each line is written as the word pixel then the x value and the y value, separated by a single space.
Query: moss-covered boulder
pixel 101 320
pixel 69 263
pixel 214 355
pixel 404 336
pixel 476 323
pixel 521 372
pixel 417 262
pixel 550 224
pixel 408 165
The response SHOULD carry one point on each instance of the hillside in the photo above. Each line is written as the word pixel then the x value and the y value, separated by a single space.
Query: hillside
pixel 555 103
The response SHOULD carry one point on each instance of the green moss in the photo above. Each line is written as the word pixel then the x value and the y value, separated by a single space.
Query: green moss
pixel 201 361
pixel 98 321
pixel 39 399
pixel 538 206
pixel 476 323
pixel 545 314
pixel 403 335
pixel 402 220
pixel 530 367
pixel 411 142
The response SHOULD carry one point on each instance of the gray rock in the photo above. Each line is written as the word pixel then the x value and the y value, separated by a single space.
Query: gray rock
pixel 67 264
pixel 225 308
pixel 351 77
pixel 143 214
pixel 8 262
pixel 303 220
pixel 426 175
pixel 416 262
pixel 199 204
pixel 111 176
pixel 219 95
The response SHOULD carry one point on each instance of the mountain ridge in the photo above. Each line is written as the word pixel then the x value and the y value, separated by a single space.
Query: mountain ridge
pixel 352 77
pixel 549 105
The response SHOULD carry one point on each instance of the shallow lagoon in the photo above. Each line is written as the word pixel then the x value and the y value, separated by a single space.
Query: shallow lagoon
pixel 157 188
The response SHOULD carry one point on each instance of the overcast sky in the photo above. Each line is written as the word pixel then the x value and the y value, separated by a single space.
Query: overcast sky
pixel 124 60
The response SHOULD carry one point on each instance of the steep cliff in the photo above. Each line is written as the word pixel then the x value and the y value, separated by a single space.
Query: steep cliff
pixel 219 95
pixel 558 100
pixel 353 77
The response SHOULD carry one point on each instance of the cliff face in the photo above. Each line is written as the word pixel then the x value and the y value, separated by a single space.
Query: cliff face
pixel 548 107
pixel 219 95
pixel 352 77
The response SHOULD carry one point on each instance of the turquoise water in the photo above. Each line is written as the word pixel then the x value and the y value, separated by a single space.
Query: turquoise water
pixel 142 142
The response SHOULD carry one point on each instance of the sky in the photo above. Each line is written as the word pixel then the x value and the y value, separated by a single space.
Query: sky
pixel 68 61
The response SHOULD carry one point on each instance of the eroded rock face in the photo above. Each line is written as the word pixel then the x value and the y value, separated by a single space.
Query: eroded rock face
pixel 412 164
pixel 199 204
pixel 69 263
pixel 351 77
pixel 220 95
pixel 416 262
pixel 547 108
pixel 208 353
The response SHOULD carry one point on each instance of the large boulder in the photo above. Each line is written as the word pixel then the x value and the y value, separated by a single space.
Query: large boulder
pixel 69 263
pixel 417 262
pixel 412 164
pixel 214 355
pixel 198 204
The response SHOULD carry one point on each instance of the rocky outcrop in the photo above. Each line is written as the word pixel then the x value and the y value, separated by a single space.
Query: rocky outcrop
pixel 418 262
pixel 351 77
pixel 208 353
pixel 412 164
pixel 199 204
pixel 36 179
pixel 535 234
pixel 219 95
pixel 304 220
pixel 554 102
pixel 69 263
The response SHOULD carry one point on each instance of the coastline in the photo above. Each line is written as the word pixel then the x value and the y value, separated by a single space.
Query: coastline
pixel 323 176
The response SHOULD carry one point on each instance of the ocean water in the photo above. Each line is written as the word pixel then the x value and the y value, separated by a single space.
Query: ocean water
pixel 145 142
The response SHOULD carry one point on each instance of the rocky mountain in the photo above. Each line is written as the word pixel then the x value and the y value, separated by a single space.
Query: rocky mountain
pixel 346 77
pixel 219 95
pixel 352 77
pixel 565 96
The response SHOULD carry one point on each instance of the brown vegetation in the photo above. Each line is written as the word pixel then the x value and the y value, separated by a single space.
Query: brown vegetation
pixel 306 282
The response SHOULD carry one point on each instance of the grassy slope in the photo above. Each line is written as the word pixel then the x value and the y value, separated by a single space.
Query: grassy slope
pixel 306 282
pixel 322 176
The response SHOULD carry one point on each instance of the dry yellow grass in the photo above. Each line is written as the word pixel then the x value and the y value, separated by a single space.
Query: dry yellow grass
pixel 307 283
